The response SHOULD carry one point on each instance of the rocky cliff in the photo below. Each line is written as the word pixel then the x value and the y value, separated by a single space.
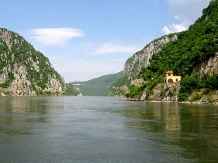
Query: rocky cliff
pixel 25 71
pixel 134 65
pixel 210 66
pixel 141 59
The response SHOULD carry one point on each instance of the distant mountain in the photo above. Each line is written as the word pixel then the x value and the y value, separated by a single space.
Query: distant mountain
pixel 96 87
pixel 25 71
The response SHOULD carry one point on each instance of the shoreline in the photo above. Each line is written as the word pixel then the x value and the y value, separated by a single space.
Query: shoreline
pixel 168 101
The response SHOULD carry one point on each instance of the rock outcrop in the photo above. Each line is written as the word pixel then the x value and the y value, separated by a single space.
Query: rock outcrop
pixel 163 92
pixel 139 60
pixel 25 71
pixel 210 66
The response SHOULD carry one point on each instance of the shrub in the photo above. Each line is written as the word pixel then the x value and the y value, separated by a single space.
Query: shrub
pixel 183 96
pixel 196 97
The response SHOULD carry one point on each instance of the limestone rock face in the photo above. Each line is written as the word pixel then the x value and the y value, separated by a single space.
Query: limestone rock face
pixel 140 60
pixel 137 82
pixel 25 71
pixel 210 66
pixel 164 92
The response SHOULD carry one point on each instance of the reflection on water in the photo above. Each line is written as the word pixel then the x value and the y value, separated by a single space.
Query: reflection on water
pixel 173 119
pixel 15 112
pixel 103 129
pixel 159 116
pixel 192 127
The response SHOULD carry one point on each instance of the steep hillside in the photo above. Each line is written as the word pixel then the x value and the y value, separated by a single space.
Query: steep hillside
pixel 98 86
pixel 25 71
pixel 193 56
pixel 136 63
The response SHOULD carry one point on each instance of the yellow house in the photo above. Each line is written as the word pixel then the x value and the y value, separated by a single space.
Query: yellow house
pixel 170 78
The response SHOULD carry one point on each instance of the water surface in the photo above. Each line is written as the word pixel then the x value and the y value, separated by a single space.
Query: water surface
pixel 105 130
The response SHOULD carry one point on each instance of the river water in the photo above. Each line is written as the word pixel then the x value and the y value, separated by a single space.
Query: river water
pixel 105 130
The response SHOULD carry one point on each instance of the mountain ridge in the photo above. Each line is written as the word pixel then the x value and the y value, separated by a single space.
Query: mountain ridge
pixel 25 71
pixel 96 87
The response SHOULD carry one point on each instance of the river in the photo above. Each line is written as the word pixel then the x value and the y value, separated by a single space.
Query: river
pixel 105 130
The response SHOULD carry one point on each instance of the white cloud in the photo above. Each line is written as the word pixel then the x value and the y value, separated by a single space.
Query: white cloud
pixel 55 36
pixel 110 48
pixel 174 28
pixel 187 11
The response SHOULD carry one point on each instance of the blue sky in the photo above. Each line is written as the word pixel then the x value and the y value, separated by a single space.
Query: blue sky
pixel 85 39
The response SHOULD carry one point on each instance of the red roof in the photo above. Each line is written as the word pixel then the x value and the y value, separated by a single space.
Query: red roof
pixel 169 72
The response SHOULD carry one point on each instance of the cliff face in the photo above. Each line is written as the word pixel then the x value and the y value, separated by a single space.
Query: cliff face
pixel 134 65
pixel 141 59
pixel 25 71
pixel 210 66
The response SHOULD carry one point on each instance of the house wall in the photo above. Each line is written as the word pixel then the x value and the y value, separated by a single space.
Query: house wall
pixel 174 78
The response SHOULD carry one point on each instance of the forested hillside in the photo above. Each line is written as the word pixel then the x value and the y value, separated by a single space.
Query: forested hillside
pixel 96 87
pixel 192 49
pixel 25 71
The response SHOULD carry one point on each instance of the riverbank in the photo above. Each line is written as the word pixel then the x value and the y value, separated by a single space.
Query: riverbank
pixel 203 102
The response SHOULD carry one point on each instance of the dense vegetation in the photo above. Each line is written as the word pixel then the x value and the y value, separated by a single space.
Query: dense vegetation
pixel 115 87
pixel 122 81
pixel 194 46
pixel 192 83
pixel 70 90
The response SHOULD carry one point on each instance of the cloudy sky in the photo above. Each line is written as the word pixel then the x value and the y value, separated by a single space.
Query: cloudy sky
pixel 85 39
